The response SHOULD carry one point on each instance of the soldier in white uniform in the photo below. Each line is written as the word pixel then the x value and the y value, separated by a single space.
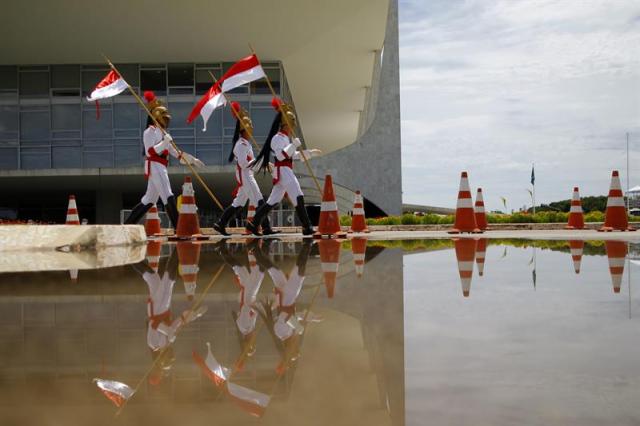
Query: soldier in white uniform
pixel 247 187
pixel 157 148
pixel 285 151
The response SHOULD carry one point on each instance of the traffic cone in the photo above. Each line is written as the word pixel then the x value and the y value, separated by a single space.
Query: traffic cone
pixel 359 248
pixel 616 215
pixel 480 254
pixel 329 224
pixel 188 260
pixel 188 225
pixel 72 212
pixel 478 208
pixel 330 259
pixel 576 247
pixel 152 222
pixel 465 254
pixel 576 216
pixel 358 223
pixel 616 253
pixel 465 216
pixel 73 274
pixel 154 248
pixel 251 212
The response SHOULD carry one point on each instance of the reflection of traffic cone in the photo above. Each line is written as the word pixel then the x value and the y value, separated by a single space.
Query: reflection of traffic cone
pixel 330 259
pixel 188 260
pixel 577 247
pixel 576 216
pixel 329 224
pixel 465 254
pixel 481 216
pixel 465 216
pixel 616 215
pixel 73 274
pixel 358 223
pixel 359 248
pixel 480 254
pixel 72 212
pixel 152 222
pixel 188 225
pixel 616 253
pixel 154 248
pixel 251 212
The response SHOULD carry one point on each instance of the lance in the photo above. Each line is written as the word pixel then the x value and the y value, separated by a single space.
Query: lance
pixel 164 132
pixel 288 123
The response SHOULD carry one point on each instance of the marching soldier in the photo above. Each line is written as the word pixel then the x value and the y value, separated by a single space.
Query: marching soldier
pixel 247 187
pixel 157 148
pixel 285 150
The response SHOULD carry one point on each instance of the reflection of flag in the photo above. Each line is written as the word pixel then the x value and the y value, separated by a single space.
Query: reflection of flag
pixel 242 72
pixel 211 367
pixel 253 402
pixel 533 275
pixel 117 392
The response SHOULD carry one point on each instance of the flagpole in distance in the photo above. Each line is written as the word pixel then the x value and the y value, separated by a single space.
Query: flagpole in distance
pixel 164 132
pixel 288 123
pixel 533 183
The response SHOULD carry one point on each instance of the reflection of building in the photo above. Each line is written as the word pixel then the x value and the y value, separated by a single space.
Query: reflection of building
pixel 57 337
pixel 330 64
pixel 633 197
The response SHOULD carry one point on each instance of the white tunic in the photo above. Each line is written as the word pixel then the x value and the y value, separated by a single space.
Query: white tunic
pixel 161 330
pixel 249 283
pixel 248 188
pixel 158 185
pixel 287 290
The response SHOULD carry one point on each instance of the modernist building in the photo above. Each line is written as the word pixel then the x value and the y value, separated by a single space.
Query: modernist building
pixel 337 62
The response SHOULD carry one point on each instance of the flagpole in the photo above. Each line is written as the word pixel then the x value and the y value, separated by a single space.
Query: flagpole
pixel 628 200
pixel 288 123
pixel 193 171
pixel 533 184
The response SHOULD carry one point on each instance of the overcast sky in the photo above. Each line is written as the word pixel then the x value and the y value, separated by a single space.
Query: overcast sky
pixel 490 86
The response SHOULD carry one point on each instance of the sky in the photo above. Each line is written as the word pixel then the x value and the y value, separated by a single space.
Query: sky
pixel 494 86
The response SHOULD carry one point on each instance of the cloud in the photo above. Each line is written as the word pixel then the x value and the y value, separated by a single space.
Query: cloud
pixel 492 87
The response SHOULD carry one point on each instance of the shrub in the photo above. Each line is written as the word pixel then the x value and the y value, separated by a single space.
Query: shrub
pixel 345 220
pixel 410 219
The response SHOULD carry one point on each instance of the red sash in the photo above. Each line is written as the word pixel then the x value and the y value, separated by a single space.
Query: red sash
pixel 152 155
pixel 284 163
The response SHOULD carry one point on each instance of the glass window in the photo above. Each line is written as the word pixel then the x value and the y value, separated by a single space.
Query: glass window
pixel 260 87
pixel 204 80
pixel 65 116
pixel 211 154
pixel 127 116
pixel 8 158
pixel 65 76
pixel 262 119
pixel 180 74
pixel 179 112
pixel 34 84
pixel 130 74
pixel 128 155
pixel 8 119
pixel 155 80
pixel 34 125
pixel 34 158
pixel 101 158
pixel 66 157
pixel 93 128
pixel 8 78
pixel 214 125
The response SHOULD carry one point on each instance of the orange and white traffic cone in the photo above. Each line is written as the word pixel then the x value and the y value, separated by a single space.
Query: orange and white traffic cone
pixel 576 216
pixel 481 251
pixel 188 224
pixel 616 253
pixel 188 260
pixel 359 248
pixel 576 247
pixel 330 259
pixel 251 212
pixel 465 254
pixel 465 216
pixel 72 212
pixel 152 222
pixel 616 215
pixel 358 222
pixel 478 208
pixel 154 248
pixel 329 224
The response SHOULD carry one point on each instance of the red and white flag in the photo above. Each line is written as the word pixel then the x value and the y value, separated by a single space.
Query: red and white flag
pixel 249 400
pixel 217 373
pixel 242 72
pixel 117 392
pixel 110 86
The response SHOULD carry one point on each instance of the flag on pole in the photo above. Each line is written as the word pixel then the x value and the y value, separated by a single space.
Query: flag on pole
pixel 117 392
pixel 533 176
pixel 242 72
pixel 113 84
pixel 216 372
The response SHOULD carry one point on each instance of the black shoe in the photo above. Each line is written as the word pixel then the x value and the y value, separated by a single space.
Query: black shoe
pixel 221 224
pixel 220 229
pixel 261 213
pixel 137 212
pixel 269 231
pixel 172 211
pixel 255 230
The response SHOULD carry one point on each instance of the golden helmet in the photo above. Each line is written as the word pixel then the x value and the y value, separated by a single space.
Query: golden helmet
pixel 242 116
pixel 157 108
pixel 289 116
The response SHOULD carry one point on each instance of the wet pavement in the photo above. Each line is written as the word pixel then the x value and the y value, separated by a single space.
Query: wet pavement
pixel 464 331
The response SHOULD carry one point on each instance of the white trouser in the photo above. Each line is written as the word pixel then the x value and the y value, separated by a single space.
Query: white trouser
pixel 248 191
pixel 158 185
pixel 288 184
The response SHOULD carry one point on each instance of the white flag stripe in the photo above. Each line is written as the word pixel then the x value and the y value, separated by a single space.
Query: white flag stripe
pixel 248 395
pixel 208 108
pixel 109 91
pixel 241 78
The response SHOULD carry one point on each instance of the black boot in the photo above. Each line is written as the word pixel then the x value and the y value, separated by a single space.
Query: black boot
pixel 172 211
pixel 261 213
pixel 227 214
pixel 266 223
pixel 301 210
pixel 303 256
pixel 137 212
